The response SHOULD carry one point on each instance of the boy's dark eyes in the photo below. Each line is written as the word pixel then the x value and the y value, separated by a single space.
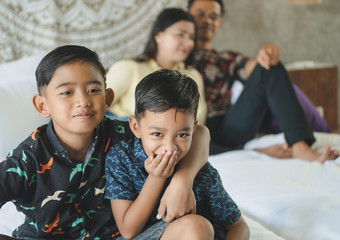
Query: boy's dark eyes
pixel 94 90
pixel 183 135
pixel 157 134
pixel 65 93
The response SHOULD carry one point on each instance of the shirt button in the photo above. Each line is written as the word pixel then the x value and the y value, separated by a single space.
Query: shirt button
pixel 63 155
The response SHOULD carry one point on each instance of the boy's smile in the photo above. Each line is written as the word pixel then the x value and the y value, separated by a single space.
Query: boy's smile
pixel 167 131
pixel 75 98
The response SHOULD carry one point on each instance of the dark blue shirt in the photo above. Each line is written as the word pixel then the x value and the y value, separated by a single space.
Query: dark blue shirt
pixel 125 177
pixel 61 198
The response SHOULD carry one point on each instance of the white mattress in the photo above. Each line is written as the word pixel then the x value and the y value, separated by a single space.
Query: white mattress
pixel 295 199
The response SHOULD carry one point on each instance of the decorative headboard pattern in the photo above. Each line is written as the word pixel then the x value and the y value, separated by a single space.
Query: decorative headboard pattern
pixel 114 29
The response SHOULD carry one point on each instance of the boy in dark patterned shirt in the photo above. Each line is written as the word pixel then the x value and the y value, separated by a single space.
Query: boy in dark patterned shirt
pixel 137 170
pixel 56 177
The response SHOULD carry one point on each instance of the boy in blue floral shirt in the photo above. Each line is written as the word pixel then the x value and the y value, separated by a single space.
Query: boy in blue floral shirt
pixel 137 170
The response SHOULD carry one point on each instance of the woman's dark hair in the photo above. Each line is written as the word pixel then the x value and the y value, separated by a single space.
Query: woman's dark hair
pixel 165 89
pixel 64 55
pixel 165 19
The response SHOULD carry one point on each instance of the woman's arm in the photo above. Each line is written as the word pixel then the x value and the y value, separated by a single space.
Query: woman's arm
pixel 179 198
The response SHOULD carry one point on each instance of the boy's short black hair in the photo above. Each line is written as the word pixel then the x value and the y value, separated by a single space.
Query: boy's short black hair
pixel 166 89
pixel 64 55
pixel 190 2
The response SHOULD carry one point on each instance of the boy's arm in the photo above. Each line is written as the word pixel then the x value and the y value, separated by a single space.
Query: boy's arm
pixel 238 230
pixel 14 177
pixel 179 198
pixel 131 216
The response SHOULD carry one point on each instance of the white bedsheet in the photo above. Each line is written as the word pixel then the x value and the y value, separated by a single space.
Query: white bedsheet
pixel 294 198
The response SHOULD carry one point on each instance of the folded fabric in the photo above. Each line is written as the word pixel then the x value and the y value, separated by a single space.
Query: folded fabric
pixel 316 121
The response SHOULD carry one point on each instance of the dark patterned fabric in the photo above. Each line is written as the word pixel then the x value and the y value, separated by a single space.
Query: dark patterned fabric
pixel 61 198
pixel 126 175
pixel 219 70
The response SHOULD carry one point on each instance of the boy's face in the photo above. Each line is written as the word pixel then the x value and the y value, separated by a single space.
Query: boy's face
pixel 76 99
pixel 169 131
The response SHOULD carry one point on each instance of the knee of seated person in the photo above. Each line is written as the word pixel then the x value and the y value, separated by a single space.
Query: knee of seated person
pixel 196 227
pixel 277 68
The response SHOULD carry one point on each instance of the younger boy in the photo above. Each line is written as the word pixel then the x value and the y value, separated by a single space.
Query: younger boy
pixel 56 177
pixel 137 170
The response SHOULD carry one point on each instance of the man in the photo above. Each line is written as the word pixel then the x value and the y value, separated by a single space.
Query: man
pixel 267 88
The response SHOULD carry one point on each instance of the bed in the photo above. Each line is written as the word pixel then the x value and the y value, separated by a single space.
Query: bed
pixel 280 199
pixel 295 199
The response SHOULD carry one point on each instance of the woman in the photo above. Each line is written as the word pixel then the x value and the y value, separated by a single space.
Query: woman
pixel 170 46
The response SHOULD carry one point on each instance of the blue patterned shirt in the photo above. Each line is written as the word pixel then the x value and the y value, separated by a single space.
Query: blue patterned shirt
pixel 125 177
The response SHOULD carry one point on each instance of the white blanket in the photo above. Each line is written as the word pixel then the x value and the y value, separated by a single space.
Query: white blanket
pixel 294 198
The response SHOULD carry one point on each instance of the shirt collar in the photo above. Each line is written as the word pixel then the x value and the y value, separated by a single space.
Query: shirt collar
pixel 139 155
pixel 59 149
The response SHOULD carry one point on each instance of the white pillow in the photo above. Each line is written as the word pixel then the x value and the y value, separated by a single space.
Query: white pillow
pixel 18 118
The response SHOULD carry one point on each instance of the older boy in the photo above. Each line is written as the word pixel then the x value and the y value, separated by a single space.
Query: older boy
pixel 56 177
pixel 137 170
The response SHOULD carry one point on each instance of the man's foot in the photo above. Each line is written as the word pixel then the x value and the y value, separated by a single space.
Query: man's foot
pixel 277 151
pixel 303 151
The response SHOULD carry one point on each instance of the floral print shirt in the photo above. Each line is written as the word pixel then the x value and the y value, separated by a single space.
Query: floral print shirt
pixel 219 69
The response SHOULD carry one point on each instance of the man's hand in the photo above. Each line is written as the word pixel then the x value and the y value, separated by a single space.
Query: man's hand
pixel 178 200
pixel 162 165
pixel 269 55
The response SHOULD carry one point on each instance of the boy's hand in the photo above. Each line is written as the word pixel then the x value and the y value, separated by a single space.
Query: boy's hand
pixel 178 200
pixel 162 165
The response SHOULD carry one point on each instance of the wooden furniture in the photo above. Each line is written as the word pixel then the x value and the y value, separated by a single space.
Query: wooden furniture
pixel 320 83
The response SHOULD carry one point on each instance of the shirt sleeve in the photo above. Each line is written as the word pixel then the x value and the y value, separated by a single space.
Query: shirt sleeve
pixel 15 176
pixel 119 184
pixel 212 197
pixel 237 64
